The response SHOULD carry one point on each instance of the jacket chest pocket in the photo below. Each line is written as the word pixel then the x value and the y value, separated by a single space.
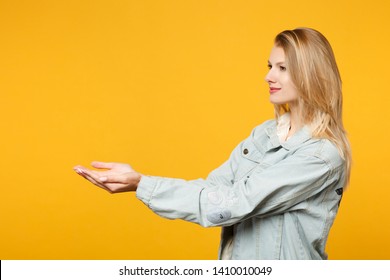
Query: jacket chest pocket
pixel 249 158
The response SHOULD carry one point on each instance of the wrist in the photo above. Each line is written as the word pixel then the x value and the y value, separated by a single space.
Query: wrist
pixel 138 180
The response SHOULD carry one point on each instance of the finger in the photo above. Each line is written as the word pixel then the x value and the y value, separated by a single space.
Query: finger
pixel 81 169
pixel 90 175
pixel 93 178
pixel 99 164
pixel 84 170
pixel 123 178
pixel 78 168
pixel 96 182
pixel 115 188
pixel 86 175
pixel 110 187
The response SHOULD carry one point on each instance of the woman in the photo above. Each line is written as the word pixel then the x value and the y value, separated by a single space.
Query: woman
pixel 278 194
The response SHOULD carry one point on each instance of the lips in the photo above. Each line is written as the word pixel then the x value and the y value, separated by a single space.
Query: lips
pixel 273 89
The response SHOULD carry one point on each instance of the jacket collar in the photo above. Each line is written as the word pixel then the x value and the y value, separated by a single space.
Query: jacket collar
pixel 297 139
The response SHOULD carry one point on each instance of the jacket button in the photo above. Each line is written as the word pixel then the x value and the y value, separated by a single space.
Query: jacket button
pixel 245 151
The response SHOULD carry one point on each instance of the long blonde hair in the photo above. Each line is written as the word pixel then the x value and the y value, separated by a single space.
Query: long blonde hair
pixel 314 72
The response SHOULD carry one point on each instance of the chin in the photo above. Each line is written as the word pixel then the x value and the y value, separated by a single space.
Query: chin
pixel 276 102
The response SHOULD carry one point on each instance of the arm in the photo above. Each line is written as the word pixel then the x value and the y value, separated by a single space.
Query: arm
pixel 222 199
pixel 270 191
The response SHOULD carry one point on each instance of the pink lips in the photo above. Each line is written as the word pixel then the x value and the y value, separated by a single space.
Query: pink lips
pixel 273 89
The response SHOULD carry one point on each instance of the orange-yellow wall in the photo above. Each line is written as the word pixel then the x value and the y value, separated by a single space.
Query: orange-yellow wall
pixel 171 87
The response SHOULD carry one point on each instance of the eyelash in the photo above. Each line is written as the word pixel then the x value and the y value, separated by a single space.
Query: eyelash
pixel 282 68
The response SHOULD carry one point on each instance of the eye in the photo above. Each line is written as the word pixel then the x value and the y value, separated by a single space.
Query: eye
pixel 283 68
pixel 269 66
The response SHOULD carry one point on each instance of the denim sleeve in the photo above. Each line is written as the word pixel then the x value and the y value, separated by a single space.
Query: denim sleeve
pixel 180 199
pixel 218 201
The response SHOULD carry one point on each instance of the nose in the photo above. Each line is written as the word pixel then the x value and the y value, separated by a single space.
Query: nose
pixel 269 78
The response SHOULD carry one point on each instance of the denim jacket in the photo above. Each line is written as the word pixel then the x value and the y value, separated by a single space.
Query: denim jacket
pixel 273 200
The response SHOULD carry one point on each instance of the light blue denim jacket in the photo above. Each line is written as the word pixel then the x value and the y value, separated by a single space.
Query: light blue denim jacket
pixel 274 200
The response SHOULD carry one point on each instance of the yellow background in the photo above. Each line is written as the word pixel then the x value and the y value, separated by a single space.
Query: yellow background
pixel 170 87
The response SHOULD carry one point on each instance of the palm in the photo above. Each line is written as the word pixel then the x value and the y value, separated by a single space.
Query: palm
pixel 114 177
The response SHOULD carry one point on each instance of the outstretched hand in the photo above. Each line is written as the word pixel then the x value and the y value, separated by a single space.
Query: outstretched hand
pixel 114 178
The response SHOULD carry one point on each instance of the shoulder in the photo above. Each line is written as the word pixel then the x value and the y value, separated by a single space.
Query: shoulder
pixel 322 149
pixel 266 124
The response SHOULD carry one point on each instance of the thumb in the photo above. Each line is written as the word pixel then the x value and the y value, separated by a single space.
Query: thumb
pixel 99 164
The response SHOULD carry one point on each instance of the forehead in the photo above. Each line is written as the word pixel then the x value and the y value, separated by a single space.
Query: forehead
pixel 277 55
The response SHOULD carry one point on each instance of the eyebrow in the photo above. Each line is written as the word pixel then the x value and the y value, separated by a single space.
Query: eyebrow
pixel 278 63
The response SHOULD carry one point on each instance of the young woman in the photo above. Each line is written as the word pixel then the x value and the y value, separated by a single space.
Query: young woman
pixel 277 195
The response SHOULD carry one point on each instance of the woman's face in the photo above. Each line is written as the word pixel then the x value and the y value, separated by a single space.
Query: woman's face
pixel 281 88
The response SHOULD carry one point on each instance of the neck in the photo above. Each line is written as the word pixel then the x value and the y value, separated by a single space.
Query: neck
pixel 294 122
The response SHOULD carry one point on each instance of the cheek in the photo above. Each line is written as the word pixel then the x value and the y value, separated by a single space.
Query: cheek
pixel 284 80
pixel 288 85
pixel 290 91
pixel 294 93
